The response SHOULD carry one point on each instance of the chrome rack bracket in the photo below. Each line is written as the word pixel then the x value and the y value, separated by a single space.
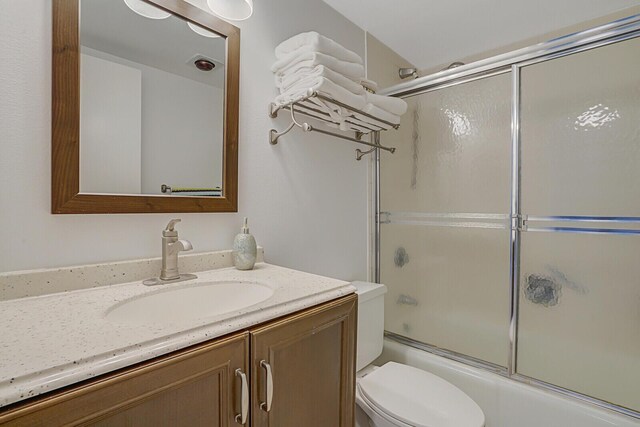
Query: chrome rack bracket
pixel 274 135
pixel 360 154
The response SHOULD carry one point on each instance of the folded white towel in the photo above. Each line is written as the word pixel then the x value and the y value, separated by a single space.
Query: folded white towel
pixel 338 117
pixel 368 123
pixel 312 41
pixel 291 64
pixel 300 76
pixel 369 84
pixel 374 122
pixel 379 113
pixel 326 87
pixel 393 105
pixel 344 120
pixel 347 117
pixel 312 110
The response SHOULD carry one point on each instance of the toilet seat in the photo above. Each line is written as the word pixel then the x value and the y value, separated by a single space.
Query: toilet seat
pixel 407 396
pixel 373 412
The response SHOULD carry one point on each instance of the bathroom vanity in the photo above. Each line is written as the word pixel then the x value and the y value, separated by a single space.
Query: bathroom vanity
pixel 283 361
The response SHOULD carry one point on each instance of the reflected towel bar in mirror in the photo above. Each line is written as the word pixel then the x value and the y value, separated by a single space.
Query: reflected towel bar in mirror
pixel 167 189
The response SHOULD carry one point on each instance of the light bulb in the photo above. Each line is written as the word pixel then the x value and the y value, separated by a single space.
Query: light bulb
pixel 234 10
pixel 147 10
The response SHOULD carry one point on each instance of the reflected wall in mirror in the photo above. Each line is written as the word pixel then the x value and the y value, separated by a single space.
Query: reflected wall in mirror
pixel 150 91
pixel 151 102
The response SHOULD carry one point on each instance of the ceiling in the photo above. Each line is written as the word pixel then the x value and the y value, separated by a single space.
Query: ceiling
pixel 430 33
pixel 168 44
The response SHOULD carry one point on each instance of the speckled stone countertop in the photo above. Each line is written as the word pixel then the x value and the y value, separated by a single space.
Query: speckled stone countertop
pixel 50 341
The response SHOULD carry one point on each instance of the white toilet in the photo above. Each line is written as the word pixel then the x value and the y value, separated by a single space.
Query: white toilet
pixel 397 395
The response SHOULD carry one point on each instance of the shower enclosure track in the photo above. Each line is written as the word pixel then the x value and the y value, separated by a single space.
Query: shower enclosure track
pixel 512 62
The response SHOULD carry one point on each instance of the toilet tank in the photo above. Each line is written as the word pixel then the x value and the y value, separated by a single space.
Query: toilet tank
pixel 370 321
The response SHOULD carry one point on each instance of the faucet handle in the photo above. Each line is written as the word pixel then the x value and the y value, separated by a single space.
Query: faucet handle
pixel 169 231
pixel 172 223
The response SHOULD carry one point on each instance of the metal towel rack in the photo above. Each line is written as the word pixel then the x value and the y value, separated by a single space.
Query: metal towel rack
pixel 304 107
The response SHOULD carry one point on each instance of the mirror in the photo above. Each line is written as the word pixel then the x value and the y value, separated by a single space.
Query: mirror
pixel 151 102
pixel 150 91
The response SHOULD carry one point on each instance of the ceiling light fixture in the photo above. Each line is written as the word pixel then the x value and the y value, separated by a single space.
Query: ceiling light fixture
pixel 233 10
pixel 202 31
pixel 147 10
pixel 204 65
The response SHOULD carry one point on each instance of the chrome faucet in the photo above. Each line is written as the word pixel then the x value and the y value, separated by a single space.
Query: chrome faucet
pixel 171 246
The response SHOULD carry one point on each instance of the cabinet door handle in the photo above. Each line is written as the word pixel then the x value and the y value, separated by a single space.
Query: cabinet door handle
pixel 266 406
pixel 241 418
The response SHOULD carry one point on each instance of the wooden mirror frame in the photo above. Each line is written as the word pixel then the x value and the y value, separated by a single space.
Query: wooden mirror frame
pixel 65 137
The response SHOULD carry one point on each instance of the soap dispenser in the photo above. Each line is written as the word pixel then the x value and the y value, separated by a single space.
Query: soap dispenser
pixel 245 249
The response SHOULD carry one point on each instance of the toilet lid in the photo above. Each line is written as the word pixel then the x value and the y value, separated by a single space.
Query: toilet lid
pixel 419 398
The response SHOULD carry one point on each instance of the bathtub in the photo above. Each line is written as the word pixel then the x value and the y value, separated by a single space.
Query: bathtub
pixel 507 403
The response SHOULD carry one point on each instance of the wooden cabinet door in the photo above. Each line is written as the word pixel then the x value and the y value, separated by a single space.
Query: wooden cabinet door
pixel 311 356
pixel 193 387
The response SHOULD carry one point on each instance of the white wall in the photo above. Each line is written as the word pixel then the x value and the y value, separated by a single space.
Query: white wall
pixel 383 63
pixel 306 197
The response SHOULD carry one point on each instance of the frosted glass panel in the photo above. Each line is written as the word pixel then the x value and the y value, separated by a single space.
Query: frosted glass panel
pixel 580 129
pixel 579 323
pixel 448 287
pixel 453 151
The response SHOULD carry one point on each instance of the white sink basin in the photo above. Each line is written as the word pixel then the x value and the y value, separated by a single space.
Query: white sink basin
pixel 189 302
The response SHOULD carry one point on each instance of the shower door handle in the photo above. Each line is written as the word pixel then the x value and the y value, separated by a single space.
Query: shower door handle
pixel 266 406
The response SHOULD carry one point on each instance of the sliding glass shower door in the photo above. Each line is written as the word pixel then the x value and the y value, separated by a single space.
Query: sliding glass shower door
pixel 579 311
pixel 569 316
pixel 446 194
